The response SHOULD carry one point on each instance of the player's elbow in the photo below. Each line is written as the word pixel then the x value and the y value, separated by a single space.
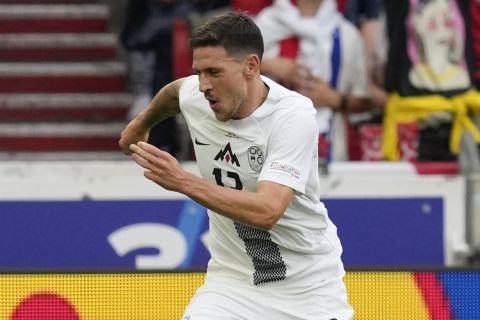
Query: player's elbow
pixel 270 218
pixel 273 201
pixel 266 225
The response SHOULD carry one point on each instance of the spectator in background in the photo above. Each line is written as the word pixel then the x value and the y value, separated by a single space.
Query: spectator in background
pixel 369 17
pixel 147 37
pixel 311 48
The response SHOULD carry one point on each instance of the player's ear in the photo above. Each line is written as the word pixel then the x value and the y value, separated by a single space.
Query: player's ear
pixel 252 65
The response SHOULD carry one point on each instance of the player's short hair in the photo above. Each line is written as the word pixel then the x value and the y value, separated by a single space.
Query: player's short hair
pixel 234 31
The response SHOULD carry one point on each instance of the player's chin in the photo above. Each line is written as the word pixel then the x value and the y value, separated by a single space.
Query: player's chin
pixel 222 117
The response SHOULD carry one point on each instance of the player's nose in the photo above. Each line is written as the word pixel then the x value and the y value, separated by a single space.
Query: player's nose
pixel 205 83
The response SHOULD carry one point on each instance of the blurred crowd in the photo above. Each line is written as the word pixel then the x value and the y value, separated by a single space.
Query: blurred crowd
pixel 391 80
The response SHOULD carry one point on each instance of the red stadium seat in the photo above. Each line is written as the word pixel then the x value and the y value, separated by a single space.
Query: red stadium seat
pixel 182 54
pixel 249 6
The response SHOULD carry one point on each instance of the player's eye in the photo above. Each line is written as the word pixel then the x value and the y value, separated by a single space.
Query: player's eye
pixel 214 72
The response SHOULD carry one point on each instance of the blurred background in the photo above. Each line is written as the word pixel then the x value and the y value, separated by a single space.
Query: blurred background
pixel 84 236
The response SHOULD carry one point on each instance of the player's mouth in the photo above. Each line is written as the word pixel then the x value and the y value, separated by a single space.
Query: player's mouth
pixel 214 103
pixel 215 106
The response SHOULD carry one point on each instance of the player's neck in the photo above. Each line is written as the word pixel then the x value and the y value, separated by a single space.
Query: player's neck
pixel 256 96
pixel 260 93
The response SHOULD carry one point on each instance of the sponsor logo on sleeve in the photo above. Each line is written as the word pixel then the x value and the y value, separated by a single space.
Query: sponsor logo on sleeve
pixel 286 168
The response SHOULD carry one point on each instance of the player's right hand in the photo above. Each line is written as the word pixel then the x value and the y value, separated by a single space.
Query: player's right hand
pixel 134 132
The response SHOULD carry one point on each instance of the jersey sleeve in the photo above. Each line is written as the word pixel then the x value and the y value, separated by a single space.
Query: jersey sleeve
pixel 292 150
pixel 188 89
pixel 190 99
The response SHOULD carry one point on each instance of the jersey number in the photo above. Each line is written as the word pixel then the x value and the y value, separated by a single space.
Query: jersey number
pixel 233 175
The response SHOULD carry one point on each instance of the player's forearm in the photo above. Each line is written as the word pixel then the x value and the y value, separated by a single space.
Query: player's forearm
pixel 163 105
pixel 248 207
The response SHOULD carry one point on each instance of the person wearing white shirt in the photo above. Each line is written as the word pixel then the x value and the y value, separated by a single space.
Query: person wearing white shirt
pixel 275 254
pixel 326 62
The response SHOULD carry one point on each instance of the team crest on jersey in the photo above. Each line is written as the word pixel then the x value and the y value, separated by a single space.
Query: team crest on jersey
pixel 226 154
pixel 255 158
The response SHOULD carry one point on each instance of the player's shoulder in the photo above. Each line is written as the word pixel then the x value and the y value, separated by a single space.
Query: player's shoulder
pixel 284 96
pixel 189 87
pixel 191 101
pixel 287 103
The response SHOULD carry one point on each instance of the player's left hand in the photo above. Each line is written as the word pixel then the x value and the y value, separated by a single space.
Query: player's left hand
pixel 161 167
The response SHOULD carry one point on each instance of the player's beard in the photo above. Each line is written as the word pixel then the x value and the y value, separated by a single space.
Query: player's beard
pixel 230 113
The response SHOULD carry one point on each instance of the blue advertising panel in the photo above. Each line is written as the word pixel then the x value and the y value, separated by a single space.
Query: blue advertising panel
pixel 170 234
pixel 389 232
pixel 102 234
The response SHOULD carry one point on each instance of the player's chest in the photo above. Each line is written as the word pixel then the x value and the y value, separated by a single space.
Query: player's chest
pixel 230 157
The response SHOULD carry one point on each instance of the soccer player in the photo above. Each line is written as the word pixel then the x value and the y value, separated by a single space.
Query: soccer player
pixel 275 253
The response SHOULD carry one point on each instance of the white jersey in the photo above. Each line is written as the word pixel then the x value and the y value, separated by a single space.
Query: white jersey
pixel 278 143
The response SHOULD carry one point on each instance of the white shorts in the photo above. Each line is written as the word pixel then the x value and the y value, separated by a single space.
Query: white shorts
pixel 322 301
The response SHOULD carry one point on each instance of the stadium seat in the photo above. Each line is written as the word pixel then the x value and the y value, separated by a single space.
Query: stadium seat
pixel 251 7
